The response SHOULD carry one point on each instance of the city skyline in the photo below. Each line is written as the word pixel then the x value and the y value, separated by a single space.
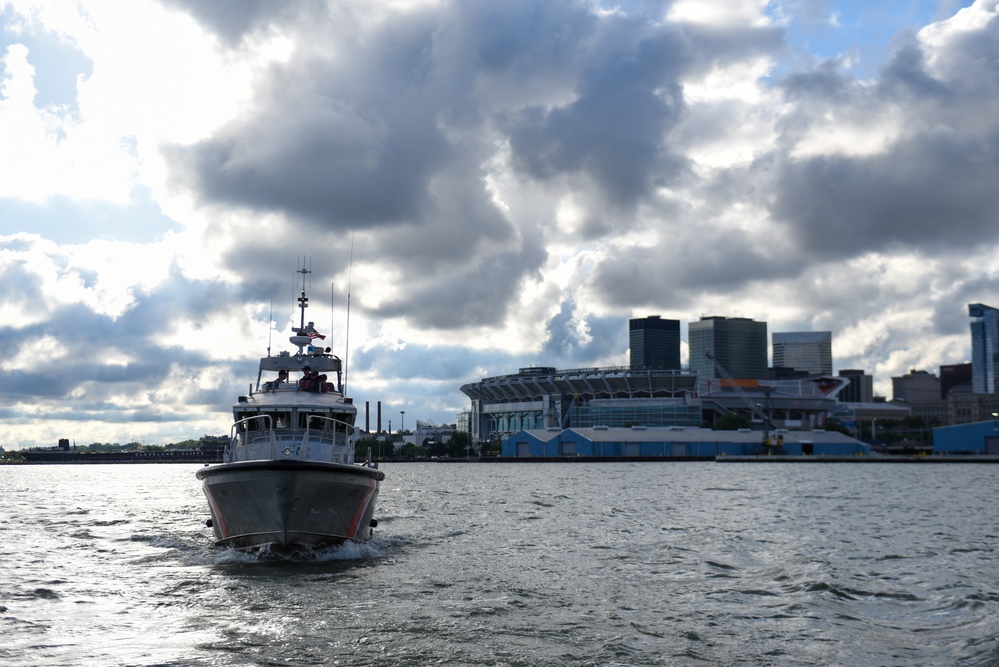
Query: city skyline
pixel 823 340
pixel 487 186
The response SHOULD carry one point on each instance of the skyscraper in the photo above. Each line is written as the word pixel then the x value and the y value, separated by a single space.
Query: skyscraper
pixel 984 348
pixel 861 389
pixel 738 344
pixel 654 342
pixel 809 351
pixel 953 375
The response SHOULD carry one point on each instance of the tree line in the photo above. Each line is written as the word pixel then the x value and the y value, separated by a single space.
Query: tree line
pixel 458 447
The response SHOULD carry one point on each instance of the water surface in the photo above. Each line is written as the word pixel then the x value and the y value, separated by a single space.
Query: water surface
pixel 516 564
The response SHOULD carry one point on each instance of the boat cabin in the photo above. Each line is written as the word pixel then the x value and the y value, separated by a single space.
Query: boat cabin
pixel 297 409
pixel 315 370
pixel 316 421
pixel 292 431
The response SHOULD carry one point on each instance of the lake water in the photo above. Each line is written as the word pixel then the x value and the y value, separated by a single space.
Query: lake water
pixel 610 564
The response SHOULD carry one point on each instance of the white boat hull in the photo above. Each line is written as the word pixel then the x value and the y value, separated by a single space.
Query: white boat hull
pixel 289 504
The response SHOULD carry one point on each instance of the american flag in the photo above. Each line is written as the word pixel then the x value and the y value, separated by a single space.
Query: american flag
pixel 315 334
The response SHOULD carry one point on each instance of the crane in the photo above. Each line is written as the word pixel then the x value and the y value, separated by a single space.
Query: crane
pixel 770 446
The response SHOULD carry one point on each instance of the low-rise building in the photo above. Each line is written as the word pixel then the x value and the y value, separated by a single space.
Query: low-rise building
pixel 675 442
pixel 978 438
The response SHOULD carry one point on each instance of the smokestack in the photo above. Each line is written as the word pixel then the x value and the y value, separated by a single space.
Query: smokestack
pixel 379 416
pixel 367 416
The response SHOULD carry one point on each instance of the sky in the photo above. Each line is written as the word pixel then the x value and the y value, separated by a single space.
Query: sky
pixel 481 186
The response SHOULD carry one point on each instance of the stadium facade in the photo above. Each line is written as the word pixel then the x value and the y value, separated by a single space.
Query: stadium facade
pixel 548 398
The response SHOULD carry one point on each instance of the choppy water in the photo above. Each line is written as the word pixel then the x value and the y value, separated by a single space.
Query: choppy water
pixel 517 564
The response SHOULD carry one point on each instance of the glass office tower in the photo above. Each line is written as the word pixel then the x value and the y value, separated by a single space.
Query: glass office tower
pixel 809 351
pixel 654 342
pixel 984 348
pixel 739 344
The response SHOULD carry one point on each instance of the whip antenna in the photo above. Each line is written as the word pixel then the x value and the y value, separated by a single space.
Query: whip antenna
pixel 270 326
pixel 346 343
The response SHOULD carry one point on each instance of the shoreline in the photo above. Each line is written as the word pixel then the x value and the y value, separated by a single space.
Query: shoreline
pixel 145 458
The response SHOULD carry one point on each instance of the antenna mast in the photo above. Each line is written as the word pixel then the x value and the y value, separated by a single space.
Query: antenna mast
pixel 346 344
pixel 270 327
pixel 303 301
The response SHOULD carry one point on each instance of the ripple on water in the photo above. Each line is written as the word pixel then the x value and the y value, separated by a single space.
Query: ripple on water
pixel 517 564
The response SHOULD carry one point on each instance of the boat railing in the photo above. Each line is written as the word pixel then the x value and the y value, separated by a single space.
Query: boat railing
pixel 239 433
pixel 295 386
pixel 288 444
pixel 341 437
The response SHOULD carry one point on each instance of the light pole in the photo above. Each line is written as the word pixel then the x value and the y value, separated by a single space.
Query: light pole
pixel 403 427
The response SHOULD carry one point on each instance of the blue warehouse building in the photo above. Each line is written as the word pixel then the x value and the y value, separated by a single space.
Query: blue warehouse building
pixel 671 442
pixel 978 438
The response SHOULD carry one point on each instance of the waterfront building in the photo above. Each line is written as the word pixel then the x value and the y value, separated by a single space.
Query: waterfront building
pixel 546 397
pixel 860 389
pixel 984 348
pixel 738 344
pixel 654 343
pixel 863 418
pixel 920 391
pixel 976 438
pixel 542 398
pixel 953 376
pixel 965 406
pixel 429 430
pixel 676 443
pixel 809 351
pixel 916 387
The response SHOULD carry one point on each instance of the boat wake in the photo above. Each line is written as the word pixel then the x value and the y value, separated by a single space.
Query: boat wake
pixel 373 550
pixel 348 551
pixel 194 550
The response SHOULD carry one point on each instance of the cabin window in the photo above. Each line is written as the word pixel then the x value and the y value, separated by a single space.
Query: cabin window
pixel 340 425
pixel 313 422
pixel 281 420
pixel 250 424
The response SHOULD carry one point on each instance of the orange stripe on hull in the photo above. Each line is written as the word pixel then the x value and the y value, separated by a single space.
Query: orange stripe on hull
pixel 362 507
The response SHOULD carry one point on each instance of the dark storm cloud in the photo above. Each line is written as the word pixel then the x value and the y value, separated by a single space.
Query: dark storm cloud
pixel 359 144
pixel 232 19
pixel 470 295
pixel 931 189
pixel 613 131
pixel 823 84
pixel 355 139
pixel 394 133
pixel 906 76
pixel 17 286
pixel 322 161
pixel 685 267
pixel 628 98
pixel 83 337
